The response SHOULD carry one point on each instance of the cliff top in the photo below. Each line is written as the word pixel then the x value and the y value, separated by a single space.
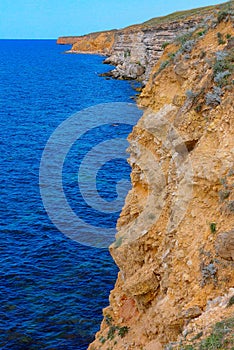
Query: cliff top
pixel 175 16
pixel 181 15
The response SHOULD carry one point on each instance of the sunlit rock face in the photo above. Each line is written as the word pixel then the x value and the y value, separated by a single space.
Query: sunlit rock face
pixel 174 245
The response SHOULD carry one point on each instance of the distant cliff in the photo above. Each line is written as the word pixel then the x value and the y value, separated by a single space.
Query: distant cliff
pixel 135 50
pixel 67 40
pixel 99 42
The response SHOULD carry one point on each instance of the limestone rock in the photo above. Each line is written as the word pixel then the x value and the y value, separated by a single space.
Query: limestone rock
pixel 181 69
pixel 192 312
pixel 154 345
pixel 225 245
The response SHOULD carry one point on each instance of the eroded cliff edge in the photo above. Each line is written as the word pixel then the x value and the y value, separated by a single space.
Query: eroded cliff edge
pixel 175 240
pixel 134 50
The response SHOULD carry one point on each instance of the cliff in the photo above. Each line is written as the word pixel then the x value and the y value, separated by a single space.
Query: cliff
pixel 175 240
pixel 98 43
pixel 67 40
pixel 134 50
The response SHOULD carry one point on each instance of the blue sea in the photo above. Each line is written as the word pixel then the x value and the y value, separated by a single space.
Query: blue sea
pixel 52 287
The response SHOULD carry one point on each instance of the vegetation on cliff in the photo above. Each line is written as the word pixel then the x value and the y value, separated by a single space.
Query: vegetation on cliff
pixel 175 240
pixel 134 50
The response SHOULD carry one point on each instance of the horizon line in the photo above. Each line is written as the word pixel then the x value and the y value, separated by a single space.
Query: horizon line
pixel 28 38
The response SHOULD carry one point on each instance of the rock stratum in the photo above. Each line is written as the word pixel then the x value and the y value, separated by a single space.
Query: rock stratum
pixel 135 50
pixel 175 240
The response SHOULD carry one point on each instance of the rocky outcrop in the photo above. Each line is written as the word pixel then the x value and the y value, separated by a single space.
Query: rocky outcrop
pixel 135 50
pixel 174 245
pixel 225 245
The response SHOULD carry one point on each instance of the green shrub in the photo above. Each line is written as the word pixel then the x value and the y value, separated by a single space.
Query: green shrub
pixel 213 227
pixel 111 332
pixel 184 37
pixel 127 53
pixel 222 15
pixel 224 194
pixel 231 301
pixel 202 32
pixel 122 331
pixel 163 65
pixel 198 108
pixel 164 45
pixel 220 39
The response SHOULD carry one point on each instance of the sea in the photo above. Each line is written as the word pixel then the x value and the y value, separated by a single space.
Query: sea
pixel 53 286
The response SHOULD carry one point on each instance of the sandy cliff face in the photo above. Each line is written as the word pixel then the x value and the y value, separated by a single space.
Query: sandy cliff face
pixel 175 240
pixel 99 43
pixel 67 40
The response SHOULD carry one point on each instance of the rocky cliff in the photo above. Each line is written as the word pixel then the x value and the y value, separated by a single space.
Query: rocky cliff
pixel 134 50
pixel 175 240
pixel 67 40
pixel 98 43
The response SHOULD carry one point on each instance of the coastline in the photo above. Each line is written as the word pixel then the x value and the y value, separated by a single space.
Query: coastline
pixel 175 240
pixel 164 295
pixel 85 53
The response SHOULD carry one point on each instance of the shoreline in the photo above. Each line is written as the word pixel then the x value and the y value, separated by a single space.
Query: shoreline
pixel 84 53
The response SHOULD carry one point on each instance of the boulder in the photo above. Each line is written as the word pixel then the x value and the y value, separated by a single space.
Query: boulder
pixel 225 245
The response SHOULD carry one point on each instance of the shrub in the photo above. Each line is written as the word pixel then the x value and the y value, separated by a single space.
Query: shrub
pixel 122 331
pixel 224 194
pixel 202 54
pixel 202 32
pixel 111 332
pixel 102 340
pixel 191 94
pixel 221 336
pixel 222 16
pixel 208 273
pixel 164 45
pixel 221 77
pixel 230 206
pixel 171 55
pixel 217 90
pixel 127 53
pixel 220 39
pixel 223 67
pixel 184 37
pixel 187 56
pixel 188 45
pixel 163 65
pixel 231 301
pixel 212 99
pixel 213 227
pixel 220 55
pixel 198 108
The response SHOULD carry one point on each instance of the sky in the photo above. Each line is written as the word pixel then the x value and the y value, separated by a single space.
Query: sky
pixel 49 19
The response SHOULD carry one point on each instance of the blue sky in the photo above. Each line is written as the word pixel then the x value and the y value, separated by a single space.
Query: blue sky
pixel 42 19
